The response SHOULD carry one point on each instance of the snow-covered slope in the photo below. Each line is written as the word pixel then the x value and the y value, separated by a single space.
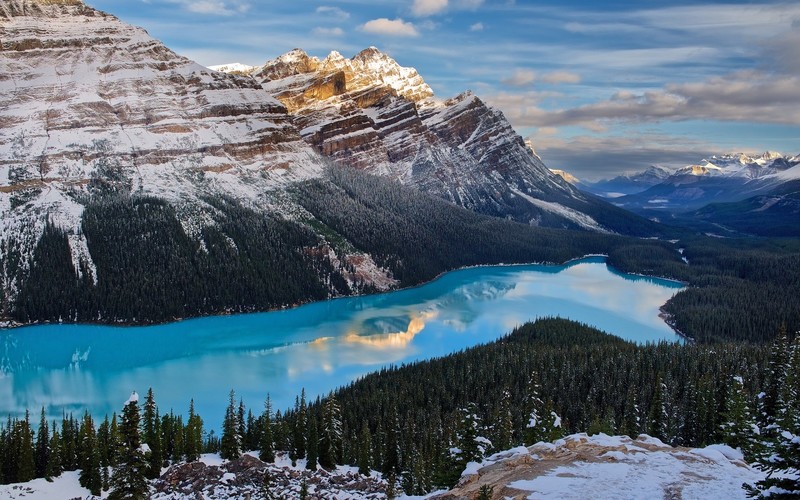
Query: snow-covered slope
pixel 724 178
pixel 606 467
pixel 370 113
pixel 89 104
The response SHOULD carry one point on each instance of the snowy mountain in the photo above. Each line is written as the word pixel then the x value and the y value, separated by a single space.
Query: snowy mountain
pixel 629 183
pixel 370 113
pixel 719 179
pixel 107 134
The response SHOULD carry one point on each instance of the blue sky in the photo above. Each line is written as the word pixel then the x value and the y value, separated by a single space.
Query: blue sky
pixel 598 87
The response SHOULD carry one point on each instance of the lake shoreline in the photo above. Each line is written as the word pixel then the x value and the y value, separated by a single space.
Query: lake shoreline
pixel 10 324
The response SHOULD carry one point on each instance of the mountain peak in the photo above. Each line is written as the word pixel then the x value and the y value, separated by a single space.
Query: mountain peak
pixel 38 8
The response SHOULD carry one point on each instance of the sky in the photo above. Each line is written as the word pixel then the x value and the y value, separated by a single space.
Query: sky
pixel 599 87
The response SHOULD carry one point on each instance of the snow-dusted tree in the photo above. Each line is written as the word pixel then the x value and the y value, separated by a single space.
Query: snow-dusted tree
pixel 657 419
pixel 503 422
pixel 631 420
pixel 128 480
pixel 54 462
pixel 299 429
pixel 312 444
pixel 89 456
pixel 534 411
pixel 779 455
pixel 738 425
pixel 231 444
pixel 330 449
pixel 364 458
pixel 151 426
pixel 266 444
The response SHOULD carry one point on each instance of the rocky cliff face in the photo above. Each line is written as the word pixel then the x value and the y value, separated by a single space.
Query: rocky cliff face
pixel 91 105
pixel 370 113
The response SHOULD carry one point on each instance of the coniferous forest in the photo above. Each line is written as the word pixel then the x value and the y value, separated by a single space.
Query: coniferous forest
pixel 148 269
pixel 540 382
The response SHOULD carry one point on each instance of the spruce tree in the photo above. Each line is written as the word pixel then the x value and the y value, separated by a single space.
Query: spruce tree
pixel 657 419
pixel 129 480
pixel 312 444
pixel 738 425
pixel 25 463
pixel 230 445
pixel 266 443
pixel 193 435
pixel 364 450
pixel 503 422
pixel 331 436
pixel 151 435
pixel 54 463
pixel 42 446
pixel 89 456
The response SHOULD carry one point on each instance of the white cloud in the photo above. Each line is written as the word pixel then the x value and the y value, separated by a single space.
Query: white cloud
pixel 422 8
pixel 328 31
pixel 476 27
pixel 557 77
pixel 334 12
pixel 215 7
pixel 596 157
pixel 520 78
pixel 390 27
pixel 745 96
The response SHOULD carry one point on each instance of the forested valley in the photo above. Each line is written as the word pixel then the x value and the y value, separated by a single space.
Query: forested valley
pixel 540 382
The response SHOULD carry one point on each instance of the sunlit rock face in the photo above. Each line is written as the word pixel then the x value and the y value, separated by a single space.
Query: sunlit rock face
pixel 370 113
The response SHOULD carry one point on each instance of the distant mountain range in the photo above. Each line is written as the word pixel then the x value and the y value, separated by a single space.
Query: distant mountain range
pixel 734 193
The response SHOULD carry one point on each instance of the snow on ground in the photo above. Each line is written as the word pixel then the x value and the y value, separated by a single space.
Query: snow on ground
pixel 578 218
pixel 65 486
pixel 605 467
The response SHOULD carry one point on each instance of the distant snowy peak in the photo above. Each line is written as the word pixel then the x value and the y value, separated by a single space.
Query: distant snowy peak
pixel 368 68
pixel 740 165
pixel 235 68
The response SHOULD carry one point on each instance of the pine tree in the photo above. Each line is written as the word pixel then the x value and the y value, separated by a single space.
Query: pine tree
pixel 26 465
pixel 89 456
pixel 104 448
pixel 331 436
pixel 364 450
pixel 230 445
pixel 128 480
pixel 241 426
pixel 534 411
pixel 656 422
pixel 151 426
pixel 779 457
pixel 738 424
pixel 193 435
pixel 312 444
pixel 266 443
pixel 503 422
pixel 300 427
pixel 631 421
pixel 54 463
pixel 42 446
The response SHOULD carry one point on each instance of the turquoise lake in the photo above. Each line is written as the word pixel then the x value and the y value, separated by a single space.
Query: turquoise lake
pixel 318 346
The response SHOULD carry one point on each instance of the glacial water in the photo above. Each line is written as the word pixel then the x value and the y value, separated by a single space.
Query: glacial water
pixel 318 346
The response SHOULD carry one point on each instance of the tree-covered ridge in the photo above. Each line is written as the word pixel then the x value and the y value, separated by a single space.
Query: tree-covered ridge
pixel 148 269
pixel 422 423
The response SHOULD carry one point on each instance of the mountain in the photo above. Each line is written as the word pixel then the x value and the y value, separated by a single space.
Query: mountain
pixel 719 179
pixel 370 113
pixel 139 186
pixel 630 183
pixel 775 213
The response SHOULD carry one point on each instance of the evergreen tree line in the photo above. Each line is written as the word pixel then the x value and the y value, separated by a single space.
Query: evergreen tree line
pixel 148 269
pixel 423 423
pixel 542 373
